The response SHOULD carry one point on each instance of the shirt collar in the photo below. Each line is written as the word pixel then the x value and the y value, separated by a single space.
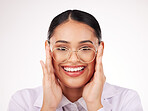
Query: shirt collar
pixel 82 103
pixel 108 92
pixel 65 102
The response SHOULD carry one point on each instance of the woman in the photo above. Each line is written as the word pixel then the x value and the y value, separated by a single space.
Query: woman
pixel 73 78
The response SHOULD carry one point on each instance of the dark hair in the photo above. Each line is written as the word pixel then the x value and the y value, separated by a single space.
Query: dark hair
pixel 76 15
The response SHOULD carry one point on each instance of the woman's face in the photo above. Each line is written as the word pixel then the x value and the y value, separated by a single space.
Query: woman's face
pixel 73 35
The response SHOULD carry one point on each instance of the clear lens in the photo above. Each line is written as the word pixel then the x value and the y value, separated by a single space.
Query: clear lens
pixel 60 54
pixel 86 55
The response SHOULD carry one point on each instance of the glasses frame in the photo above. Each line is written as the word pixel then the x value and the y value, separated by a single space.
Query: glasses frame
pixel 70 53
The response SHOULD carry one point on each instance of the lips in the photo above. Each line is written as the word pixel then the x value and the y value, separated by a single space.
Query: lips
pixel 73 71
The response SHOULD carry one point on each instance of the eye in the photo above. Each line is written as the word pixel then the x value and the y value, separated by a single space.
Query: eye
pixel 61 49
pixel 85 48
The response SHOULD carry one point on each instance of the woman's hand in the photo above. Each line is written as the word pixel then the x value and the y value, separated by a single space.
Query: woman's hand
pixel 93 90
pixel 52 92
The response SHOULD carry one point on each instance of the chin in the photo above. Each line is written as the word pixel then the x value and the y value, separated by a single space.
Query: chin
pixel 74 84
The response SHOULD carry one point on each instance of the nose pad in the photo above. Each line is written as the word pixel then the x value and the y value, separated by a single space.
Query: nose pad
pixel 73 57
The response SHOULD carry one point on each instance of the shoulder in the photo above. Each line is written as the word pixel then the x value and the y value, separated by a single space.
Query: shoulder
pixel 28 93
pixel 114 90
pixel 25 98
pixel 121 98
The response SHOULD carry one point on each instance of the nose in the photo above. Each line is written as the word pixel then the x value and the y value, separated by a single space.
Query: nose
pixel 73 57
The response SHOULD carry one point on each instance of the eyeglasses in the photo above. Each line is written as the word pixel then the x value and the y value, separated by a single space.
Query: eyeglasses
pixel 85 54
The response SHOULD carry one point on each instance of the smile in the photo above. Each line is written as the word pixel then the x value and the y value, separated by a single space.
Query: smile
pixel 73 71
pixel 68 69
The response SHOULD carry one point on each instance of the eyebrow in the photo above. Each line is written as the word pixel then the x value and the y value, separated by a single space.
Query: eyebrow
pixel 84 41
pixel 62 41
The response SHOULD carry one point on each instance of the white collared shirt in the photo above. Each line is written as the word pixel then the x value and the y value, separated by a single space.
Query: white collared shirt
pixel 114 98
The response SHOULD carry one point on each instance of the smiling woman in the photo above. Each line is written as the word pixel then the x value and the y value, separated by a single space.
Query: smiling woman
pixel 73 77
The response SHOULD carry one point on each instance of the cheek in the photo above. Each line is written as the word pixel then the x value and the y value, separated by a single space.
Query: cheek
pixel 91 68
pixel 92 65
pixel 56 68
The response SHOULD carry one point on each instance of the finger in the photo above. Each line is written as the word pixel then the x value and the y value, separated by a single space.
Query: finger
pixel 100 50
pixel 43 68
pixel 99 57
pixel 49 60
pixel 99 67
pixel 49 65
pixel 47 79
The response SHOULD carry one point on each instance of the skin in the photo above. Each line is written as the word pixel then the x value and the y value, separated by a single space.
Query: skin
pixel 89 85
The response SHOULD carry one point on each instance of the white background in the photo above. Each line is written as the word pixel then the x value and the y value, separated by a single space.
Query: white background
pixel 23 31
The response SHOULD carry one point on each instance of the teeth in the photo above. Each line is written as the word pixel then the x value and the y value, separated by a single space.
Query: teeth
pixel 73 69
